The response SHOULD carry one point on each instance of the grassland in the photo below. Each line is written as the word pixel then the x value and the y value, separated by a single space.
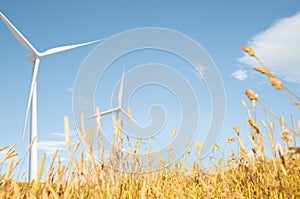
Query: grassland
pixel 243 173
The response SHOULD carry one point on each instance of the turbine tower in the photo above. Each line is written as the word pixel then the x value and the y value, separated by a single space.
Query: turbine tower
pixel 35 58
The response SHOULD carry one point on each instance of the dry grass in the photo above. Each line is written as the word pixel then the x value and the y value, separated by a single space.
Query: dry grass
pixel 246 173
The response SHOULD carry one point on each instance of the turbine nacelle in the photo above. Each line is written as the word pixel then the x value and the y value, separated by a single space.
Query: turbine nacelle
pixel 31 58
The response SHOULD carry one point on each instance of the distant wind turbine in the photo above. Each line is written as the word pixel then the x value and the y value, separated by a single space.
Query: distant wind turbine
pixel 35 58
pixel 119 108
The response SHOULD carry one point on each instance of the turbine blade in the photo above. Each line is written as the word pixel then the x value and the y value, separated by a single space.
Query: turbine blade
pixel 65 48
pixel 109 111
pixel 120 95
pixel 103 113
pixel 33 82
pixel 18 35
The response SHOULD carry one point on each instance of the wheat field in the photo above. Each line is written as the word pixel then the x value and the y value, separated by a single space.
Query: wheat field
pixel 242 173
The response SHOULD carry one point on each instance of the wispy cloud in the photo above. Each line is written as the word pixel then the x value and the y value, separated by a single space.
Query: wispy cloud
pixel 60 135
pixel 70 90
pixel 50 146
pixel 278 48
pixel 56 135
pixel 240 74
pixel 56 140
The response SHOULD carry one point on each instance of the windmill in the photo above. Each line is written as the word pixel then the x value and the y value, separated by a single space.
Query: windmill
pixel 119 108
pixel 35 58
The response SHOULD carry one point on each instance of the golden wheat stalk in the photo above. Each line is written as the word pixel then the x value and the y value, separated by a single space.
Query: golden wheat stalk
pixel 10 154
pixel 275 82
pixel 39 174
pixel 251 95
pixel 52 191
pixel 263 71
pixel 174 133
pixel 28 148
pixel 76 146
pixel 130 114
pixel 91 139
pixel 82 121
pixel 266 109
pixel 67 133
pixel 31 143
pixel 9 169
pixel 249 51
pixel 3 148
pixel 98 118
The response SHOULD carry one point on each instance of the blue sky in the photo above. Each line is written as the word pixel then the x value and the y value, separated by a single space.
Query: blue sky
pixel 221 28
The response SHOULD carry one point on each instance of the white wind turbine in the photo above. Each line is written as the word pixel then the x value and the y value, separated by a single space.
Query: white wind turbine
pixel 32 100
pixel 119 108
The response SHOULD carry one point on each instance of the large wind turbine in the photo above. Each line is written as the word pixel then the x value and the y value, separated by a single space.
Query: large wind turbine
pixel 35 58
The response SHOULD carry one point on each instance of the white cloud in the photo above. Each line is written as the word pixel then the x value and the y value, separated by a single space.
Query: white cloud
pixel 240 74
pixel 50 146
pixel 278 47
pixel 56 135
pixel 61 135
pixel 70 90
pixel 58 142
